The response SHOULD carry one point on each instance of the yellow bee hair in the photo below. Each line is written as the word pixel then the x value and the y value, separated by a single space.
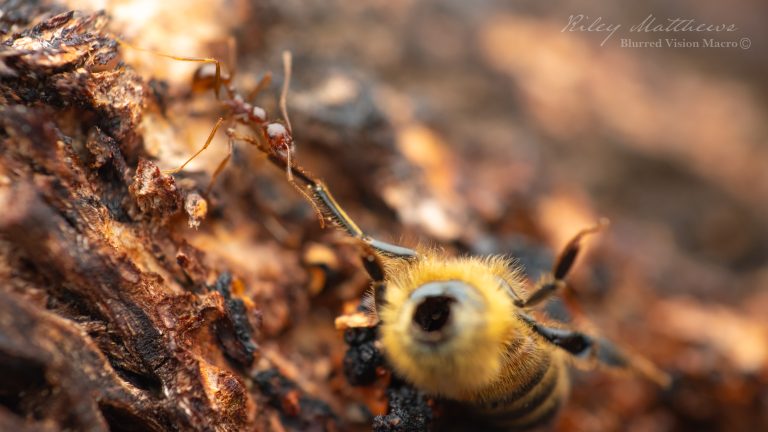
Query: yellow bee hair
pixel 468 354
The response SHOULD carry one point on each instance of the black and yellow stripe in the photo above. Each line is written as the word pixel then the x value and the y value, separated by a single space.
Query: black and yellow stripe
pixel 534 400
pixel 529 393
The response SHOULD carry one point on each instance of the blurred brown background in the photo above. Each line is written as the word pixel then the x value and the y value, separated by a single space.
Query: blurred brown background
pixel 483 127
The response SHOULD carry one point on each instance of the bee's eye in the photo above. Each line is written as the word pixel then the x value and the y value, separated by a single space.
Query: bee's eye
pixel 433 313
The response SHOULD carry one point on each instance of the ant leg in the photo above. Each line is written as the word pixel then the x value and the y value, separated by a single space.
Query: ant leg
pixel 563 265
pixel 600 349
pixel 220 167
pixel 232 54
pixel 265 80
pixel 205 146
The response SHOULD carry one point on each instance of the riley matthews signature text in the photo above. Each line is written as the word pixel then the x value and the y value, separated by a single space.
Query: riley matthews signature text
pixel 583 23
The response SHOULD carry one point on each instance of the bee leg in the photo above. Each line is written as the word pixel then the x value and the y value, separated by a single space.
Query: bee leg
pixel 563 265
pixel 372 263
pixel 367 314
pixel 375 269
pixel 328 209
pixel 334 213
pixel 604 351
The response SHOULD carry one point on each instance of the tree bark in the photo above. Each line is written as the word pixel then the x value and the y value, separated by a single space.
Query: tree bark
pixel 106 319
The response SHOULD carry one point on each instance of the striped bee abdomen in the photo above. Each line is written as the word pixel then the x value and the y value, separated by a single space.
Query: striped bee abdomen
pixel 530 391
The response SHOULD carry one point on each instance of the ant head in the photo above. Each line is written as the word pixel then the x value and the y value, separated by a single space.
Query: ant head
pixel 280 139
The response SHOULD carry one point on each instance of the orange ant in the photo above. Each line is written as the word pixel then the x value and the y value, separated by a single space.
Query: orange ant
pixel 272 137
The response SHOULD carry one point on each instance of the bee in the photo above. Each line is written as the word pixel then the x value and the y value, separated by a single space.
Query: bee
pixel 456 328
pixel 459 328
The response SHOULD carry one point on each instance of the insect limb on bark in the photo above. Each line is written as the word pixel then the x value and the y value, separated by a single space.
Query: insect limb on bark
pixel 598 349
pixel 319 195
pixel 549 286
pixel 202 149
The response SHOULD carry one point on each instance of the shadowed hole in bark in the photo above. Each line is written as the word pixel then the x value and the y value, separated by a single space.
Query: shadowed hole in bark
pixel 121 420
pixel 147 383
pixel 23 385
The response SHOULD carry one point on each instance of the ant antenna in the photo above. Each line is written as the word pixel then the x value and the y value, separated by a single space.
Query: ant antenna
pixel 287 60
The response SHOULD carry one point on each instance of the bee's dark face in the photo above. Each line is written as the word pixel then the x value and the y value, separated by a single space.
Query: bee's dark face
pixel 436 305
pixel 433 313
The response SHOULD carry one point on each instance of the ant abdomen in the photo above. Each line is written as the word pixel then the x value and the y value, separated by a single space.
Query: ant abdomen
pixel 205 78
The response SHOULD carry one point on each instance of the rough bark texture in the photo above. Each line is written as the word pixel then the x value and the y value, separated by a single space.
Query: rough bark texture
pixel 107 321
pixel 117 334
